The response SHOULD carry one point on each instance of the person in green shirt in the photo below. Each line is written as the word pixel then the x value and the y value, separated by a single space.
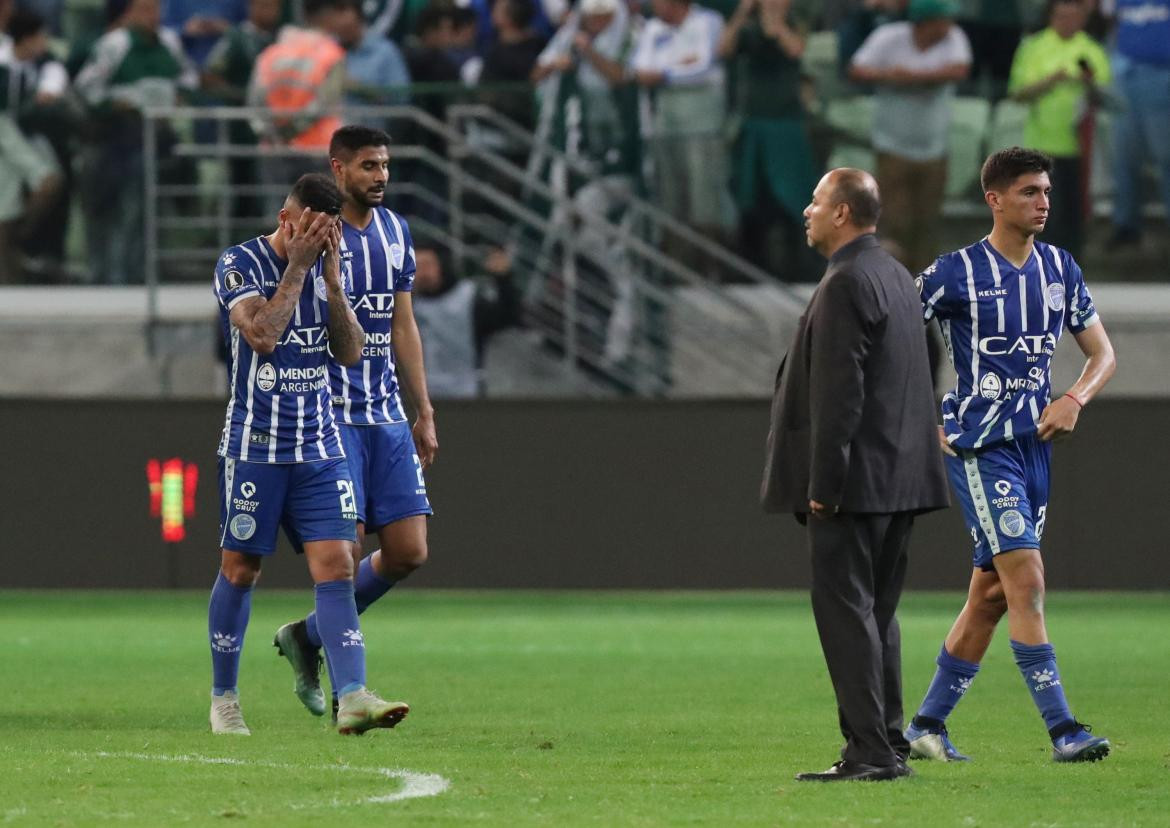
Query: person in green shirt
pixel 774 168
pixel 1058 72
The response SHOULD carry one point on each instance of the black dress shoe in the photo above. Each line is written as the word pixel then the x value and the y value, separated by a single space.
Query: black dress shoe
pixel 846 771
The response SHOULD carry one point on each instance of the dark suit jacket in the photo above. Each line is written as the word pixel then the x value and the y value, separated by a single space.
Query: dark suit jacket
pixel 853 422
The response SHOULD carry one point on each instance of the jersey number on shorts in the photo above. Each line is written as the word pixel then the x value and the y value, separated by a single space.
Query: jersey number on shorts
pixel 422 484
pixel 348 506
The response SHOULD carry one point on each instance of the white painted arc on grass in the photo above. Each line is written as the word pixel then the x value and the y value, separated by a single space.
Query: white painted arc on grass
pixel 414 785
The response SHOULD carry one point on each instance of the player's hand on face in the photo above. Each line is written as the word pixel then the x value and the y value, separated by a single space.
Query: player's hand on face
pixel 305 237
pixel 942 441
pixel 426 441
pixel 332 269
pixel 1058 419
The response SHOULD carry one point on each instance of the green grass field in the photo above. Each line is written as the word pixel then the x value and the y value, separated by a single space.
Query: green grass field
pixel 555 709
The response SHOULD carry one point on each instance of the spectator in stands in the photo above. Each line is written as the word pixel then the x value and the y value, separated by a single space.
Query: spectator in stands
pixel 858 23
pixel 510 60
pixel 300 79
pixel 774 168
pixel 993 27
pixel 30 172
pixel 201 23
pixel 1055 72
pixel 582 71
pixel 1141 65
pixel 457 316
pixel 225 78
pixel 391 19
pixel 914 66
pixel 676 58
pixel 374 65
pixel 136 64
pixel 427 57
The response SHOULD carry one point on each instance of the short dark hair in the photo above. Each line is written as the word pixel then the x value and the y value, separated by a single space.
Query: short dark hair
pixel 312 8
pixel 318 192
pixel 24 23
pixel 352 137
pixel 1003 167
pixel 859 191
pixel 520 12
pixel 432 16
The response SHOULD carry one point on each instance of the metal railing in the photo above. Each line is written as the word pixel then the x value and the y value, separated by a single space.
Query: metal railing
pixel 600 293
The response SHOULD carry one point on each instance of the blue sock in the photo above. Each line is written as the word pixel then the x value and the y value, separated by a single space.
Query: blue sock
pixel 1037 663
pixel 341 635
pixel 951 680
pixel 227 619
pixel 368 587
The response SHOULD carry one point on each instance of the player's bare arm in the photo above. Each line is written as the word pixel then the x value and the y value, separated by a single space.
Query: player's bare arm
pixel 263 321
pixel 408 350
pixel 345 332
pixel 1059 418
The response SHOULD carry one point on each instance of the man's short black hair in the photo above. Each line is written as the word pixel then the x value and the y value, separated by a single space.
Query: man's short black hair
pixel 318 192
pixel 312 8
pixel 1004 167
pixel 858 190
pixel 24 23
pixel 520 12
pixel 350 138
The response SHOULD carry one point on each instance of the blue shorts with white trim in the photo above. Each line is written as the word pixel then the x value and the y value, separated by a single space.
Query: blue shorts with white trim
pixel 311 501
pixel 387 474
pixel 1003 491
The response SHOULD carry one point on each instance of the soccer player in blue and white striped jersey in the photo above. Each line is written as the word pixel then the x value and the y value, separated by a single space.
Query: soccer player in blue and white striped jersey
pixel 283 308
pixel 1002 305
pixel 386 455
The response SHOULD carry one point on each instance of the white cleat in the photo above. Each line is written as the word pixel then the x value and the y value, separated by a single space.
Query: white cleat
pixel 226 716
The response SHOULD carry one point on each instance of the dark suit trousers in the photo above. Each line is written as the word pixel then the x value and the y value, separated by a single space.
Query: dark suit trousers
pixel 858 568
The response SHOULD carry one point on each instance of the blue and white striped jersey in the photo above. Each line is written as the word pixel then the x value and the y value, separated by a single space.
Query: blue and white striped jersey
pixel 1001 325
pixel 279 410
pixel 378 262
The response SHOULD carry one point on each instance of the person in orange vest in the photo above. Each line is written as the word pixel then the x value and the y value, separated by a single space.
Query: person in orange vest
pixel 300 80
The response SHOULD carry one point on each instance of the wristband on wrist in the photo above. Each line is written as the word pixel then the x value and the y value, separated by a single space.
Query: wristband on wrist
pixel 1073 397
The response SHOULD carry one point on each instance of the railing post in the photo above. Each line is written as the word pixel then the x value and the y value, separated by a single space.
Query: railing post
pixel 150 225
pixel 224 234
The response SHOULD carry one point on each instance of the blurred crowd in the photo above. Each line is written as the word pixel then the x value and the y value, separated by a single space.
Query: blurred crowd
pixel 706 109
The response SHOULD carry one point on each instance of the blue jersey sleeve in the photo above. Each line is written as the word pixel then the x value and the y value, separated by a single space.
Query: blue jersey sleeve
pixel 404 274
pixel 1079 311
pixel 937 290
pixel 235 278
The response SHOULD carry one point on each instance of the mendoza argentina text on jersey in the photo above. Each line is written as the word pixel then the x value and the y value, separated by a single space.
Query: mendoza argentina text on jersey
pixel 1001 324
pixel 279 409
pixel 376 262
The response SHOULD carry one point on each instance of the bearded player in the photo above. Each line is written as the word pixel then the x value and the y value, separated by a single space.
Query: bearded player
pixel 386 455
pixel 1002 305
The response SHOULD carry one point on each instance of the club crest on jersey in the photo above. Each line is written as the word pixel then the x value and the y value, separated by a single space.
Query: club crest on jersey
pixel 320 288
pixel 266 377
pixel 990 387
pixel 233 280
pixel 397 254
pixel 1054 294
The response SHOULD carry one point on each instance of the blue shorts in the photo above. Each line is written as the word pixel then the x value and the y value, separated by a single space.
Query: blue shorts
pixel 387 474
pixel 312 501
pixel 1003 491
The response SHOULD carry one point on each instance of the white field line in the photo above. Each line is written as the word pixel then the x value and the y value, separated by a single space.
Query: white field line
pixel 414 785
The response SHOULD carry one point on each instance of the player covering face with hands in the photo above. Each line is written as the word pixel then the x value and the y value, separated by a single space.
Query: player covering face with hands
pixel 283 310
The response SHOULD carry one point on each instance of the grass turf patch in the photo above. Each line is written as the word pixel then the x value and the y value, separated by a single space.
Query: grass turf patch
pixel 565 709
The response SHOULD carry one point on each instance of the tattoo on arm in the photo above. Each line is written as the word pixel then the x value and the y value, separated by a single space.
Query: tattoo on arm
pixel 346 336
pixel 272 317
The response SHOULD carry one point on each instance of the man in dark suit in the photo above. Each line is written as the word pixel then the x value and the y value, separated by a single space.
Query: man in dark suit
pixel 854 444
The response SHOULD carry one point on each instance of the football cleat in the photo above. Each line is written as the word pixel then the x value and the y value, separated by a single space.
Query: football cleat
pixel 226 716
pixel 292 643
pixel 361 710
pixel 932 743
pixel 1079 745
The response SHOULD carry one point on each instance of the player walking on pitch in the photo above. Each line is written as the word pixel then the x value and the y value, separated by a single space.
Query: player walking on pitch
pixel 1002 304
pixel 282 305
pixel 386 456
